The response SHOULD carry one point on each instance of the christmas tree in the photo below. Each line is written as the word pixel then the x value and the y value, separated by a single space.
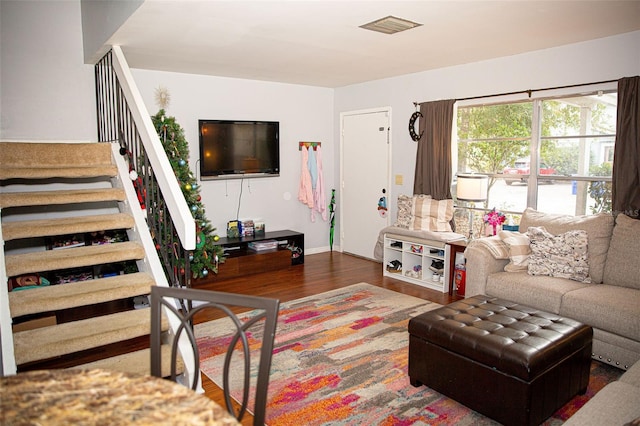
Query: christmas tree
pixel 206 256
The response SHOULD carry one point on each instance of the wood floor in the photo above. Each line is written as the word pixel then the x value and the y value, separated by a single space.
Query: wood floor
pixel 320 272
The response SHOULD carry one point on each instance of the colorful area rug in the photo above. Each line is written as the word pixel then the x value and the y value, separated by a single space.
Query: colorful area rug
pixel 341 359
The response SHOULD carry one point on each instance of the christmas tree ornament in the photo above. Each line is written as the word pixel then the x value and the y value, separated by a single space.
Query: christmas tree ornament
pixel 182 163
pixel 188 187
pixel 200 240
pixel 162 97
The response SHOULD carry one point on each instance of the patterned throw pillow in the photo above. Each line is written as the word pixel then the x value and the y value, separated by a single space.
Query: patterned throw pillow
pixel 404 210
pixel 563 256
pixel 519 250
pixel 431 215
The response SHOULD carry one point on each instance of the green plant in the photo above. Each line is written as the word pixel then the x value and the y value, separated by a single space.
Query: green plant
pixel 600 191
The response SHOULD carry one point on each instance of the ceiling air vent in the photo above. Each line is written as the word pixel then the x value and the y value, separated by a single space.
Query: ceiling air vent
pixel 390 25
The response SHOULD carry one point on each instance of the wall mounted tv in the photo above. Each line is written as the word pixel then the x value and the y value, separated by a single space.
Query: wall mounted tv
pixel 233 149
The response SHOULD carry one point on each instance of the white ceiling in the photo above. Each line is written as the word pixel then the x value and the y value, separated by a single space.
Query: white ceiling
pixel 319 43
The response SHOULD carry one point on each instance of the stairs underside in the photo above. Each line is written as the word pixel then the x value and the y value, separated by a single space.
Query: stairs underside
pixel 38 165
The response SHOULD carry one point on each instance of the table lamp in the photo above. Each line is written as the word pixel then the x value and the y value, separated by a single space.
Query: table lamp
pixel 472 188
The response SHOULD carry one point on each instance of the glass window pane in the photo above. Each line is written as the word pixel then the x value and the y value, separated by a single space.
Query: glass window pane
pixel 578 156
pixel 495 121
pixel 493 137
pixel 575 197
pixel 578 116
pixel 512 197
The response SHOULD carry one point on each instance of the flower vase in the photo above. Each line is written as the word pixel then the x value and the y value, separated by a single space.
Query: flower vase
pixel 490 230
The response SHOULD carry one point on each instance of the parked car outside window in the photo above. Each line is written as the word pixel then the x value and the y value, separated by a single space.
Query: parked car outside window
pixel 521 169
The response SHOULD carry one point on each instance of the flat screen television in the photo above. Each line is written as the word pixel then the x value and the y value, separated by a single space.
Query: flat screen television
pixel 233 149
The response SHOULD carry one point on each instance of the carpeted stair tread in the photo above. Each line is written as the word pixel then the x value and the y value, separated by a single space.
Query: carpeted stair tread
pixel 56 340
pixel 45 154
pixel 63 296
pixel 51 260
pixel 57 172
pixel 64 226
pixel 48 160
pixel 138 362
pixel 75 196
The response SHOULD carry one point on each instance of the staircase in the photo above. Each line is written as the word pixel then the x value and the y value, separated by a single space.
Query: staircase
pixel 54 189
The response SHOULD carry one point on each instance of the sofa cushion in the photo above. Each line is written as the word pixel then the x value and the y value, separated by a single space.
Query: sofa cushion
pixel 519 250
pixel 607 307
pixel 599 228
pixel 632 376
pixel 622 267
pixel 431 215
pixel 540 292
pixel 562 256
pixel 404 211
pixel 615 404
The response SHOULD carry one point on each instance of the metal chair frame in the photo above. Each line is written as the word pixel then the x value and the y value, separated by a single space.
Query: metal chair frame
pixel 179 303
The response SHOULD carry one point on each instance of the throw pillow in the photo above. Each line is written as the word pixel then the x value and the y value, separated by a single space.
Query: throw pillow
pixel 519 250
pixel 431 215
pixel 495 246
pixel 562 256
pixel 404 211
pixel 622 267
pixel 598 227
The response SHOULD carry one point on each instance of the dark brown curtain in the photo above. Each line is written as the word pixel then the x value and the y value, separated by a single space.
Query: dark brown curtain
pixel 433 159
pixel 625 196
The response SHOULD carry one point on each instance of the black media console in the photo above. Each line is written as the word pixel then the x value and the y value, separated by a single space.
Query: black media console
pixel 241 260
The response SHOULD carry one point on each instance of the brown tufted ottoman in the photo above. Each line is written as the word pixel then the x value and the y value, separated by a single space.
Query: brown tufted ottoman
pixel 515 364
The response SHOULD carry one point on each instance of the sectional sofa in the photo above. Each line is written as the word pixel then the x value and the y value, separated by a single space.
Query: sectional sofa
pixel 594 280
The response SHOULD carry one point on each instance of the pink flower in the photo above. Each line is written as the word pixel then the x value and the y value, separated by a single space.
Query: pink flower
pixel 494 217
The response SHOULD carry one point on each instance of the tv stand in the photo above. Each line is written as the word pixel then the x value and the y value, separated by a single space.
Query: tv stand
pixel 241 260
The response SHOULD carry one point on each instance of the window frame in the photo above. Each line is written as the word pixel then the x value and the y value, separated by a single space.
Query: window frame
pixel 536 138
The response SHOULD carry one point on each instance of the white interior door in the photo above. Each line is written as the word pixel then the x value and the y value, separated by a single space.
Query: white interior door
pixel 365 178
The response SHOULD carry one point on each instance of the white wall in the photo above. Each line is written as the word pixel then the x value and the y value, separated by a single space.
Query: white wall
pixel 304 113
pixel 609 58
pixel 46 90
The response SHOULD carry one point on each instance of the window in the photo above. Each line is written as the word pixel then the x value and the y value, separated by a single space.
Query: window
pixel 551 153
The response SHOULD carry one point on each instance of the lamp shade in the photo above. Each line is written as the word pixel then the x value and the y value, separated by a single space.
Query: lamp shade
pixel 472 187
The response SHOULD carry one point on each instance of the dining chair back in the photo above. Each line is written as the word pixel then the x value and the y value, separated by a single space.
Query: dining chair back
pixel 184 304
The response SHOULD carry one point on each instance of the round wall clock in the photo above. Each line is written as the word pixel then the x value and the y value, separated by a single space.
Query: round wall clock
pixel 412 126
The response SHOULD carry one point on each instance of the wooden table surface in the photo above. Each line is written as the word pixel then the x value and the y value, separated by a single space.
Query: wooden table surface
pixel 103 397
